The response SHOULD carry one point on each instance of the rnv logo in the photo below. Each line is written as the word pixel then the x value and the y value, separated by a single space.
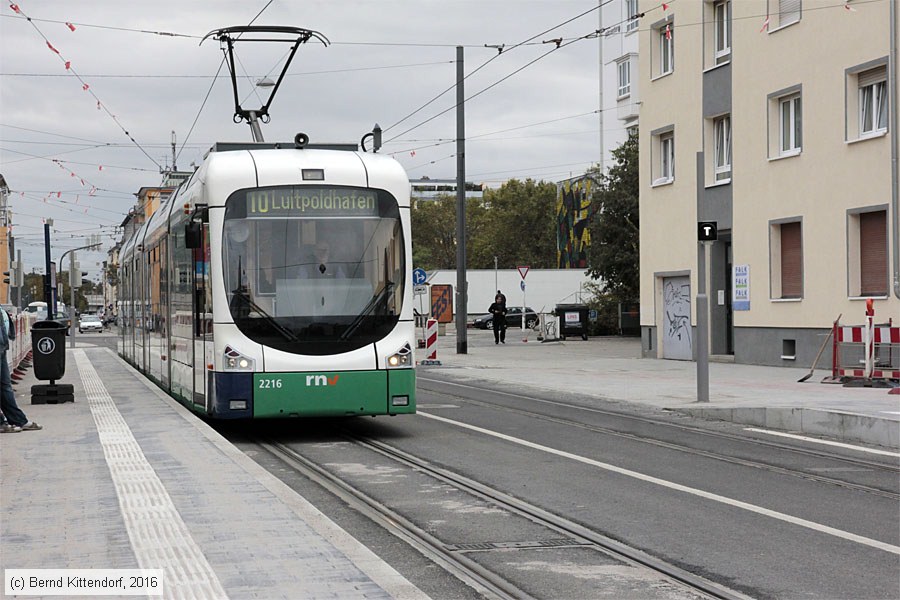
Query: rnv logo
pixel 321 380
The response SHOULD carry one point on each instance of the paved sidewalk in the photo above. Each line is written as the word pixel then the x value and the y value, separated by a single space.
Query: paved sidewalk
pixel 611 369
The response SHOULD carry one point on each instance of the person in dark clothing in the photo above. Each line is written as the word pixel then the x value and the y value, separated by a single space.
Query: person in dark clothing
pixel 498 319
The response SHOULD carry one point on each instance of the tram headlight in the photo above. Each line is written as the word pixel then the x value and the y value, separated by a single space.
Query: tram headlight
pixel 401 359
pixel 235 361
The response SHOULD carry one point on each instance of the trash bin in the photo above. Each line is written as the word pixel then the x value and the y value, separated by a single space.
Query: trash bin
pixel 573 320
pixel 48 345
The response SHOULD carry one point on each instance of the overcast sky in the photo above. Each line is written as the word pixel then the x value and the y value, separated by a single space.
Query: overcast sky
pixel 65 153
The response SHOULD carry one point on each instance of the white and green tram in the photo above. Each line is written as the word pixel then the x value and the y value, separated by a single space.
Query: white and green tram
pixel 275 282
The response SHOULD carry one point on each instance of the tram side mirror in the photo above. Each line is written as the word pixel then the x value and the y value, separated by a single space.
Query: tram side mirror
pixel 193 235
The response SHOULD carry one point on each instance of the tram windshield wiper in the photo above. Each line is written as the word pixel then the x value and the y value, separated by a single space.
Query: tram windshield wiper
pixel 375 301
pixel 242 305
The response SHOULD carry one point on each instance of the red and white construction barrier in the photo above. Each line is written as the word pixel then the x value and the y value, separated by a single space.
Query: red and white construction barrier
pixel 431 336
pixel 867 355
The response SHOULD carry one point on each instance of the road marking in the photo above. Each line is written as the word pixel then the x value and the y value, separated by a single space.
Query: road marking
pixel 159 537
pixel 826 442
pixel 681 488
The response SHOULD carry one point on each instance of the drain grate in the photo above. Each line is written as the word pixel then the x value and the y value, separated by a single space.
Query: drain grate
pixel 515 545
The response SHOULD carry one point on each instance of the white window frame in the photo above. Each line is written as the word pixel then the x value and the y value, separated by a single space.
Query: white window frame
pixel 793 103
pixel 666 49
pixel 631 14
pixel 722 150
pixel 789 12
pixel 875 107
pixel 623 77
pixel 722 35
pixel 666 157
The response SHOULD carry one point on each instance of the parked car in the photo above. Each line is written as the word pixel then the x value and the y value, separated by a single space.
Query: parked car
pixel 63 319
pixel 513 318
pixel 90 323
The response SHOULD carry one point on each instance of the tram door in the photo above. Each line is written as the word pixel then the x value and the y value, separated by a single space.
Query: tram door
pixel 202 317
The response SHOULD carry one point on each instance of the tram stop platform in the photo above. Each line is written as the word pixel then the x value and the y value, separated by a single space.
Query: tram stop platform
pixel 610 369
pixel 127 478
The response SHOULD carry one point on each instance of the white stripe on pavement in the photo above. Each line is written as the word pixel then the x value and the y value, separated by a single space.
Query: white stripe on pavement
pixel 681 488
pixel 804 438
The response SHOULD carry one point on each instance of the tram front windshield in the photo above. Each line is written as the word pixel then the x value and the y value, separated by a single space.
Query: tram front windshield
pixel 313 270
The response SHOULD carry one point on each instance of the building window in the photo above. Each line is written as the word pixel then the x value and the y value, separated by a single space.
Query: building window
pixel 873 105
pixel 666 49
pixel 624 77
pixel 663 170
pixel 786 251
pixel 788 12
pixel 790 111
pixel 722 132
pixel 631 13
pixel 722 18
pixel 868 247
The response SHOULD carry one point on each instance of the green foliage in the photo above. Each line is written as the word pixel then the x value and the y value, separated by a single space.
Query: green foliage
pixel 614 254
pixel 514 223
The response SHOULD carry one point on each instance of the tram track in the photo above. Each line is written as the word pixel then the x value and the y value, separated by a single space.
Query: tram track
pixel 819 454
pixel 454 557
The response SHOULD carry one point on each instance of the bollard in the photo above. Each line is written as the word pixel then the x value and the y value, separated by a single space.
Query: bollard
pixel 431 336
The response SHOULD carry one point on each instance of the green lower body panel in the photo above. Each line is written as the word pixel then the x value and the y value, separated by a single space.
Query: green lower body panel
pixel 339 393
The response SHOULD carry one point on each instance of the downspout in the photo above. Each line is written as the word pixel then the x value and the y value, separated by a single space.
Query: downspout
pixel 895 144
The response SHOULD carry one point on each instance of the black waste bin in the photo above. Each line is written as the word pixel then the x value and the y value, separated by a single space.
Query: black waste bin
pixel 48 345
pixel 573 320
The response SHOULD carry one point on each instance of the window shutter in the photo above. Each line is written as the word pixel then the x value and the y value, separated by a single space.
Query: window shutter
pixel 873 253
pixel 791 261
pixel 872 76
pixel 789 11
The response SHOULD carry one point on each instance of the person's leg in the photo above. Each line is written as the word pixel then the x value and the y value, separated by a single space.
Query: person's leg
pixel 8 404
pixel 496 332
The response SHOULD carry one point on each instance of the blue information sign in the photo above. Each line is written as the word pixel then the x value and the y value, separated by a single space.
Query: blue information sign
pixel 419 276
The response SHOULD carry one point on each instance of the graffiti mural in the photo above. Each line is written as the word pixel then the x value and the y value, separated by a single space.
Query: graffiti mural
pixel 573 220
pixel 676 324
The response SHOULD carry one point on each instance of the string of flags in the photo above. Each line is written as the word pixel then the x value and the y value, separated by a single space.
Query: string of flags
pixel 84 85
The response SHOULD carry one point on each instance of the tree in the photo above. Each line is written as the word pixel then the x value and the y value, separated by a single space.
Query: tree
pixel 614 254
pixel 519 227
pixel 434 231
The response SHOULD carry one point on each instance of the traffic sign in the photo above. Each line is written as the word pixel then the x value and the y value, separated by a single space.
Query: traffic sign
pixel 419 276
pixel 420 290
pixel 522 285
pixel 707 231
pixel 523 271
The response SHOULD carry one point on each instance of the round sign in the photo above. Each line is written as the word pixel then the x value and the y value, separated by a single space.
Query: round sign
pixel 46 345
pixel 419 276
pixel 522 285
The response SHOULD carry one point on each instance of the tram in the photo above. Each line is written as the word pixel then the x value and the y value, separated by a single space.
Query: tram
pixel 275 282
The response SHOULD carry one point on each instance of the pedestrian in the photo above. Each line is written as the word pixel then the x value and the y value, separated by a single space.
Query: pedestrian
pixel 11 411
pixel 502 296
pixel 498 318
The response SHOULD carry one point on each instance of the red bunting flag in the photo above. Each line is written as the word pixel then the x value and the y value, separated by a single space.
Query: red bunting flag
pixel 68 65
pixel 15 8
pixel 59 194
pixel 49 45
pixel 668 32
pixel 413 153
pixel 70 26
pixel 665 6
pixel 101 168
pixel 82 182
pixel 848 7
pixel 765 25
pixel 71 173
pixel 85 87
pixel 93 191
pixel 98 105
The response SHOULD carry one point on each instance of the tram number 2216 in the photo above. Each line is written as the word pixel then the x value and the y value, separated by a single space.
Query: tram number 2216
pixel 270 384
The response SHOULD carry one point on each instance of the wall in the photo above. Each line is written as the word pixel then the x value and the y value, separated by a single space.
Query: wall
pixel 544 288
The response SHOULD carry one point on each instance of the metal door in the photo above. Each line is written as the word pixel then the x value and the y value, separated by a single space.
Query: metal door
pixel 677 338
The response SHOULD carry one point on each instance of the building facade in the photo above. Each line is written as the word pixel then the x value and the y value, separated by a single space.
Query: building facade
pixel 777 120
pixel 619 82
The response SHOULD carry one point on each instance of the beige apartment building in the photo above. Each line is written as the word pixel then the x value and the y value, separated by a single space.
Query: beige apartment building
pixel 776 119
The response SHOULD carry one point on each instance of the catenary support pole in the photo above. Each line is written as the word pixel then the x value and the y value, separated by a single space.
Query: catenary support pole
pixel 702 327
pixel 462 346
